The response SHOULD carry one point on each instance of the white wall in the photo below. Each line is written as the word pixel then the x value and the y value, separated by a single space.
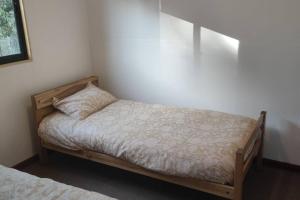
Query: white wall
pixel 164 57
pixel 59 38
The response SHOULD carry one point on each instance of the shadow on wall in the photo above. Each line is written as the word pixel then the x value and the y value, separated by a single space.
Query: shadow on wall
pixel 283 147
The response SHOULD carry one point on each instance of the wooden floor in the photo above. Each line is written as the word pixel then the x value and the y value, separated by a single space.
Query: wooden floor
pixel 268 184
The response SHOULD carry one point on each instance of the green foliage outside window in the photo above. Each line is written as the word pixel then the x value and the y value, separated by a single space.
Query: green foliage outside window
pixel 7 21
pixel 9 43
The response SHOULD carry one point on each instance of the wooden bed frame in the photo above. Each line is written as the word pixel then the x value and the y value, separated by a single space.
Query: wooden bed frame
pixel 42 106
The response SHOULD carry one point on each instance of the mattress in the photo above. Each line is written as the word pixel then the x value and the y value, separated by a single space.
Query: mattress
pixel 183 142
pixel 16 185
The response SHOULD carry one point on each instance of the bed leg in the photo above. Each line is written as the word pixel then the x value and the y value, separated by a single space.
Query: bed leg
pixel 43 155
pixel 238 195
pixel 259 158
pixel 238 176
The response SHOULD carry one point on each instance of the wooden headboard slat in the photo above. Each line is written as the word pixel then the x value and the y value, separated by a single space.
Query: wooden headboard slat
pixel 44 99
pixel 42 102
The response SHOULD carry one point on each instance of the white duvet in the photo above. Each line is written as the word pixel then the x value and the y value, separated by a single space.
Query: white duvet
pixel 16 185
pixel 175 141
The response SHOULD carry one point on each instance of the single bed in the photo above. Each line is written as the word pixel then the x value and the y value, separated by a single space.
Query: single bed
pixel 16 185
pixel 205 150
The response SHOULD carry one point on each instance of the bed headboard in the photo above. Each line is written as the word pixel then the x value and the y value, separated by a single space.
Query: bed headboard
pixel 42 102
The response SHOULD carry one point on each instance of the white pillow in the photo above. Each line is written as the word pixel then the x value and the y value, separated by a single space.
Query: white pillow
pixel 85 102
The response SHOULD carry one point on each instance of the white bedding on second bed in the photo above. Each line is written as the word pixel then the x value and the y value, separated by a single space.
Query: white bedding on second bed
pixel 16 185
pixel 175 141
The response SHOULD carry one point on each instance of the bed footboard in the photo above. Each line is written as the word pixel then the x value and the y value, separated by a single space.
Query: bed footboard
pixel 245 156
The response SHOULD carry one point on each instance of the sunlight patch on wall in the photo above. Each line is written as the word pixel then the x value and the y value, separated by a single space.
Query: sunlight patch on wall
pixel 176 50
pixel 218 42
pixel 176 31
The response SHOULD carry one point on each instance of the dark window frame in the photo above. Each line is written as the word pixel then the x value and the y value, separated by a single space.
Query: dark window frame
pixel 21 36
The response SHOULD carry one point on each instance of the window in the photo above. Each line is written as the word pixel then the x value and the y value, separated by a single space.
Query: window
pixel 13 41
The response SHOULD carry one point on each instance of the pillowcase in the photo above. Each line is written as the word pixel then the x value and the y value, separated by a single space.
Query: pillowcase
pixel 85 102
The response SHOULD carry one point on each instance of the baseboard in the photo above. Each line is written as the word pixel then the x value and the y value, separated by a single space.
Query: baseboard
pixel 282 165
pixel 26 162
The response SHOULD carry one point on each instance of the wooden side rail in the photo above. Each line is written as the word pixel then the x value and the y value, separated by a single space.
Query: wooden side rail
pixel 225 191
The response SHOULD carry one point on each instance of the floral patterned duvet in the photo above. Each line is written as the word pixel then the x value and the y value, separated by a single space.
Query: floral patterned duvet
pixel 183 142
